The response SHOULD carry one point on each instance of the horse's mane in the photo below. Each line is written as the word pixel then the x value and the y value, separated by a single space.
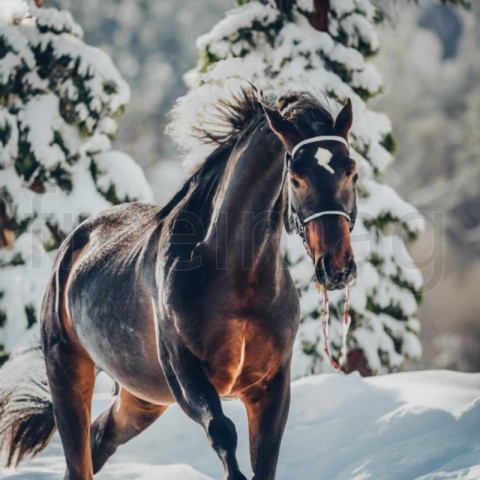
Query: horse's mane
pixel 233 119
pixel 230 121
pixel 224 124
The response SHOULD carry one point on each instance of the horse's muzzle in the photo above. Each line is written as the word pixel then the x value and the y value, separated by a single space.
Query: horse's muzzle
pixel 334 278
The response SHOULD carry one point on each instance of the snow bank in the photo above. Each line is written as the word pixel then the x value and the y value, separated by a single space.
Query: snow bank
pixel 417 425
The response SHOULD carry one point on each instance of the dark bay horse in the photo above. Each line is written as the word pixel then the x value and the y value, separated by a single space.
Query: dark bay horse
pixel 193 302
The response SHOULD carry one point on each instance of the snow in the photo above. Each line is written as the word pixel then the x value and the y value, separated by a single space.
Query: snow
pixel 114 167
pixel 9 144
pixel 415 426
pixel 13 10
pixel 92 64
pixel 342 7
pixel 9 65
pixel 383 200
pixel 236 19
pixel 368 79
pixel 168 175
pixel 58 21
pixel 39 119
pixel 23 285
pixel 359 28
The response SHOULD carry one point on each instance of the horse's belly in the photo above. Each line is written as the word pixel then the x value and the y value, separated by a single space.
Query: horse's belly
pixel 152 389
pixel 126 349
pixel 141 376
pixel 140 373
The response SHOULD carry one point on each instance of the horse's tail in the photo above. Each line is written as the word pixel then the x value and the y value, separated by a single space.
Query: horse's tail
pixel 26 410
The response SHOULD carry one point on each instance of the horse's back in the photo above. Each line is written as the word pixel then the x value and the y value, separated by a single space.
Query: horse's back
pixel 120 229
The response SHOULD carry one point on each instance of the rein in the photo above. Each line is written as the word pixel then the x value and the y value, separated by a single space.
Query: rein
pixel 300 229
pixel 336 364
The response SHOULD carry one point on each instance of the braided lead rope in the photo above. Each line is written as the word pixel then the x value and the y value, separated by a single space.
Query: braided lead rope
pixel 345 326
pixel 325 307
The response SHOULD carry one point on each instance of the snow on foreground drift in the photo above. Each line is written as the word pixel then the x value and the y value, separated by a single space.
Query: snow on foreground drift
pixel 419 425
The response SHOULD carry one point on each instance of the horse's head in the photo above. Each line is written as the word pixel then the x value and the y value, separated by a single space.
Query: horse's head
pixel 320 182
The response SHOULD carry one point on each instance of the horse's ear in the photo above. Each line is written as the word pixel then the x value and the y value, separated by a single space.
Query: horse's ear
pixel 344 120
pixel 284 129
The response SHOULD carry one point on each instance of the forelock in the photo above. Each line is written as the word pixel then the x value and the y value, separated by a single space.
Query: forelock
pixel 306 112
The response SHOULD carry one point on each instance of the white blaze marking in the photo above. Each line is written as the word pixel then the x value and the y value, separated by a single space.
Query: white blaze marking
pixel 323 157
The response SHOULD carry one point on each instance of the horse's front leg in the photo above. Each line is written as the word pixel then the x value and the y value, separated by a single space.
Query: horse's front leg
pixel 267 409
pixel 200 401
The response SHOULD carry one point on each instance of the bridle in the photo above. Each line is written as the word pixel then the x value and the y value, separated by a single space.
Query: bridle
pixel 299 224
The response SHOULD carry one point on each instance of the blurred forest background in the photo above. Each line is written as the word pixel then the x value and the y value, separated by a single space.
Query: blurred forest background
pixel 431 67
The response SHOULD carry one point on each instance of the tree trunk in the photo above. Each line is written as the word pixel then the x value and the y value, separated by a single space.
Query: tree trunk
pixel 319 17
pixel 7 237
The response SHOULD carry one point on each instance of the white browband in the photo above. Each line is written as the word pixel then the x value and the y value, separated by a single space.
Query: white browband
pixel 333 138
pixel 322 138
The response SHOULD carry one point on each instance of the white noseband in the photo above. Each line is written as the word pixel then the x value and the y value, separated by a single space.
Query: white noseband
pixel 327 212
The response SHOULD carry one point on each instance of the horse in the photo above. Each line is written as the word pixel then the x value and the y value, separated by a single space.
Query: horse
pixel 192 302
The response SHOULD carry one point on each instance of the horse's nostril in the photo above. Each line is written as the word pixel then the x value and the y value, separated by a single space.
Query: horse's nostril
pixel 339 277
pixel 320 273
pixel 331 277
pixel 352 271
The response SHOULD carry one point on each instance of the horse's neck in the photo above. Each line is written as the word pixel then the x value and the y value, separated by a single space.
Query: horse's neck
pixel 248 210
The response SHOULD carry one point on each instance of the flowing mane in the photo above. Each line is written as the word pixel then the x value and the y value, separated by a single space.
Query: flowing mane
pixel 233 119
pixel 224 125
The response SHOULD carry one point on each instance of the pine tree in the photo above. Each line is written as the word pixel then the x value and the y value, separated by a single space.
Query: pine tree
pixel 59 100
pixel 327 46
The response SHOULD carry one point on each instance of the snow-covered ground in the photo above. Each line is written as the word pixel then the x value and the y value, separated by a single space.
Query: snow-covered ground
pixel 418 425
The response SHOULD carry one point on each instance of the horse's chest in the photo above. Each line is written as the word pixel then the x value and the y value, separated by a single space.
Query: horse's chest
pixel 240 359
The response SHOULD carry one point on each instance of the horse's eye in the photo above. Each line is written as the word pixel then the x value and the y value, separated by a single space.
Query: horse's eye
pixel 351 169
pixel 295 182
